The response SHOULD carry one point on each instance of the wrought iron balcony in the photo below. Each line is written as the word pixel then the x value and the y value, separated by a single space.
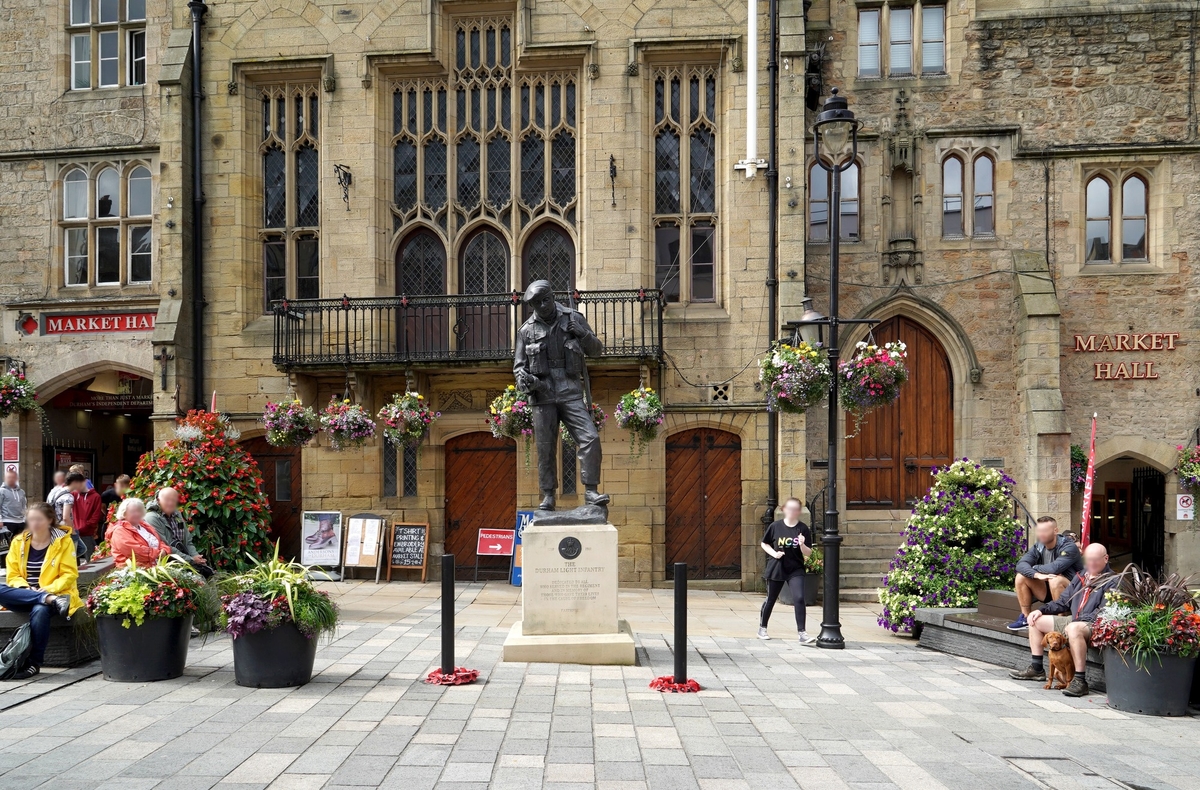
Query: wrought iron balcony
pixel 456 328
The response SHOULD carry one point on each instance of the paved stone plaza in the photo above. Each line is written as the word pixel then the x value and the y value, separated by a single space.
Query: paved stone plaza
pixel 882 714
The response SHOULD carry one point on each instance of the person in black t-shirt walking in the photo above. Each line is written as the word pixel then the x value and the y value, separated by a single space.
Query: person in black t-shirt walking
pixel 787 543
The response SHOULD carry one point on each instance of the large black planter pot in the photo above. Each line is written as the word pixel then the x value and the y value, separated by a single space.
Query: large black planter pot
pixel 155 650
pixel 278 658
pixel 1163 691
pixel 812 583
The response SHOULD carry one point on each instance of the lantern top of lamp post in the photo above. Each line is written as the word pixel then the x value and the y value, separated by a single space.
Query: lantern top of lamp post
pixel 836 108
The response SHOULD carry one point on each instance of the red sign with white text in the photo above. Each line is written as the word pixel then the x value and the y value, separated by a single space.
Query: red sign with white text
pixel 496 542
pixel 85 323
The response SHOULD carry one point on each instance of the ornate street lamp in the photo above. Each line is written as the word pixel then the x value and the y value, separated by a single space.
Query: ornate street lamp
pixel 836 147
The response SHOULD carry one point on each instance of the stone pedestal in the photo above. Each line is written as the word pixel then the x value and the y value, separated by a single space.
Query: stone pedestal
pixel 569 598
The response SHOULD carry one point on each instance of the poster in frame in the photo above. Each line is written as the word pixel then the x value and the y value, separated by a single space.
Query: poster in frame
pixel 321 538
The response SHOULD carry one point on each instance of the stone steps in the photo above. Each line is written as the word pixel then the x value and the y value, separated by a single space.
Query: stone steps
pixel 860 594
pixel 871 540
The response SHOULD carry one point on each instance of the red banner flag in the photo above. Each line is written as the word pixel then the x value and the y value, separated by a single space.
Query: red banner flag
pixel 1086 527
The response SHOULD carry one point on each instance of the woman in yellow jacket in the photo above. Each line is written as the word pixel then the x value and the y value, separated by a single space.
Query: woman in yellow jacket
pixel 42 576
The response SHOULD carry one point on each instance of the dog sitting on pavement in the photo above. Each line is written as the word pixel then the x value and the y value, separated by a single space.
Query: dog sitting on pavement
pixel 1062 666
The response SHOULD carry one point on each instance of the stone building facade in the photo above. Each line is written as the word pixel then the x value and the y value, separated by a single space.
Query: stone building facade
pixel 378 180
pixel 1021 213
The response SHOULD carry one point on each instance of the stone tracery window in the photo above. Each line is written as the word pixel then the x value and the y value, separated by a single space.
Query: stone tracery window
pixel 968 196
pixel 685 182
pixel 1117 217
pixel 484 144
pixel 290 161
pixel 550 255
pixel 107 240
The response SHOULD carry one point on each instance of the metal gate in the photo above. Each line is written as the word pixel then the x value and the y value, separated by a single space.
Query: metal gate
pixel 1148 495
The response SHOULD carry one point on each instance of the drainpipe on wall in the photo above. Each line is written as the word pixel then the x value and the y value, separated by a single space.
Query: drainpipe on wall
pixel 772 244
pixel 198 9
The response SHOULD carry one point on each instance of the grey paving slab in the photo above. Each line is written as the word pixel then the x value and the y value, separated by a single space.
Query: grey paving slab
pixel 772 715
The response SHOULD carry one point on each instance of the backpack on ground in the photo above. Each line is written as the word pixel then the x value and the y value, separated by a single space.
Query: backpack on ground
pixel 16 654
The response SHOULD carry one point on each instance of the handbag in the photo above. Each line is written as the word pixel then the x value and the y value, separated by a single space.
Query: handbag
pixel 15 655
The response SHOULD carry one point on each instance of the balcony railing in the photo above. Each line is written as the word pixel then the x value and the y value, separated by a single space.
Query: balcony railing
pixel 403 330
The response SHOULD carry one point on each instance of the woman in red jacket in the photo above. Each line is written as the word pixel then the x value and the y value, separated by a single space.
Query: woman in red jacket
pixel 132 537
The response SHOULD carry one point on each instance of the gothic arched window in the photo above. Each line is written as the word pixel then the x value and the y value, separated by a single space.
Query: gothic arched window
pixel 421 264
pixel 484 261
pixel 550 255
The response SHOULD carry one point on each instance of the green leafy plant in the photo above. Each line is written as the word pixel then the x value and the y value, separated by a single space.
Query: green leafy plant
pixel 273 592
pixel 1144 617
pixel 815 562
pixel 220 489
pixel 1079 461
pixel 167 589
pixel 961 538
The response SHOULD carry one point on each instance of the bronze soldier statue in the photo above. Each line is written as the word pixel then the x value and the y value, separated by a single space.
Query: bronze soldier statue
pixel 549 364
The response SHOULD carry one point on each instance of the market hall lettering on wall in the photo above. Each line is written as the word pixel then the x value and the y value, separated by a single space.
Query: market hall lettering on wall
pixel 1125 371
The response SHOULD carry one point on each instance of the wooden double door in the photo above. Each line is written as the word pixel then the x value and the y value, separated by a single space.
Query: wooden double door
pixel 280 470
pixel 704 504
pixel 889 461
pixel 481 493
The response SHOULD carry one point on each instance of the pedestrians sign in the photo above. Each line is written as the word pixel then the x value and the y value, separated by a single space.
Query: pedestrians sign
pixel 1185 507
pixel 496 542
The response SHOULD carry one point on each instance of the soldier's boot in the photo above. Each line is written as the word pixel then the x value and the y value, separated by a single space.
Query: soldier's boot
pixel 593 497
pixel 547 501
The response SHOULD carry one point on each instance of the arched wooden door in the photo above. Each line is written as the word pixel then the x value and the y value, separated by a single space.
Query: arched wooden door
pixel 704 503
pixel 889 462
pixel 481 493
pixel 280 469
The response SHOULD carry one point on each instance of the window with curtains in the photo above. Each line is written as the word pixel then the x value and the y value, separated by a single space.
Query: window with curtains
pixel 685 183
pixel 106 43
pixel 910 39
pixel 1113 195
pixel 968 196
pixel 820 193
pixel 485 144
pixel 107 236
pixel 289 157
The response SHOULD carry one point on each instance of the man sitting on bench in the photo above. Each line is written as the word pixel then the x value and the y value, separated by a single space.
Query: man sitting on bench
pixel 1072 615
pixel 1045 570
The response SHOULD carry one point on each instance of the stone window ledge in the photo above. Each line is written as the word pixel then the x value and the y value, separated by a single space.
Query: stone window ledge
pixel 1114 269
pixel 695 311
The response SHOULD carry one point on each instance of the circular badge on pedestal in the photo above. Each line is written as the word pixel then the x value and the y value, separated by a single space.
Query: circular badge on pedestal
pixel 569 548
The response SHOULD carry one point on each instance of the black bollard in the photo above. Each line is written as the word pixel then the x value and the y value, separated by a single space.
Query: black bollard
pixel 447 614
pixel 681 622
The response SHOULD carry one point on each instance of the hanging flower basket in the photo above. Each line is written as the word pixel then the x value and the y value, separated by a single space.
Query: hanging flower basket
pixel 17 395
pixel 406 419
pixel 1079 461
pixel 641 413
pixel 290 424
pixel 871 378
pixel 1187 466
pixel 346 424
pixel 598 419
pixel 795 377
pixel 511 417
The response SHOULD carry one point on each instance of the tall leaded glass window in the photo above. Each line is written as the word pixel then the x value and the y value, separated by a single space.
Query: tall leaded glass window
pixel 685 183
pixel 550 255
pixel 483 144
pixel 290 166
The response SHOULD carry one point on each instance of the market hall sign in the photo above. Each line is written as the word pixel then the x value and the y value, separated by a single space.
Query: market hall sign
pixel 1125 371
pixel 92 323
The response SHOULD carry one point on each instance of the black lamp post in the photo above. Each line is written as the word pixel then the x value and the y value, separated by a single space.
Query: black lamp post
pixel 836 147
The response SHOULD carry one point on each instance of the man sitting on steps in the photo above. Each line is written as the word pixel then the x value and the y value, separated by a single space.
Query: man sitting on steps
pixel 1071 614
pixel 1045 570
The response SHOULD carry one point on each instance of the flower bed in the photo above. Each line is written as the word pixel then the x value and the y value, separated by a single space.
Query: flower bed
pixel 169 589
pixel 346 424
pixel 219 484
pixel 961 538
pixel 795 377
pixel 871 378
pixel 599 418
pixel 290 424
pixel 406 419
pixel 273 593
pixel 641 413
pixel 1143 618
pixel 17 395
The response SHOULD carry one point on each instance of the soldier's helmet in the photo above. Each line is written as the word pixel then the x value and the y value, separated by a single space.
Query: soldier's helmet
pixel 536 289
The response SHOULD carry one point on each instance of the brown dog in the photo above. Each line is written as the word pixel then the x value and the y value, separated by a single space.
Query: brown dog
pixel 1062 666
